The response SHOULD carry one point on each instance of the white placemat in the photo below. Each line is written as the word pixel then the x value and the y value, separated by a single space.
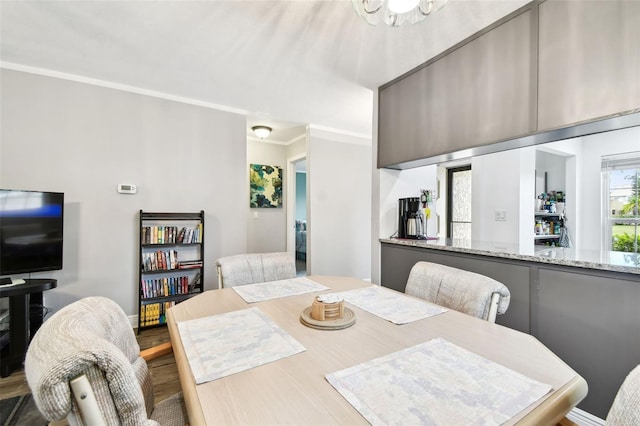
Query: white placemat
pixel 391 305
pixel 436 383
pixel 274 289
pixel 225 344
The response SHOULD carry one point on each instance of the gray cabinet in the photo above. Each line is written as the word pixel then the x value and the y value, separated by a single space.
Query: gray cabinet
pixel 480 92
pixel 550 65
pixel 589 56
pixel 592 322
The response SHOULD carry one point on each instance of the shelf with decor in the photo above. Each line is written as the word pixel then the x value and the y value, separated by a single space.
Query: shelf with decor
pixel 171 256
pixel 548 227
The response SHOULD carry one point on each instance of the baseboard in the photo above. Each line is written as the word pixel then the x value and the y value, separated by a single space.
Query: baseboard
pixel 582 418
pixel 133 319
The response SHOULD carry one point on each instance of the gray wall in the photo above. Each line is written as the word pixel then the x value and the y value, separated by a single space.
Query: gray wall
pixel 339 200
pixel 266 226
pixel 83 140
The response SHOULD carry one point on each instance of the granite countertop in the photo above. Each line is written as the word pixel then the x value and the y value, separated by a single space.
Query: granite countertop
pixel 592 259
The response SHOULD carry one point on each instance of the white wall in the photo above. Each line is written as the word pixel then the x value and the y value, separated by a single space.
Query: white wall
pixel 83 140
pixel 395 184
pixel 339 205
pixel 501 181
pixel 296 151
pixel 583 180
pixel 297 148
pixel 266 226
pixel 496 187
pixel 555 166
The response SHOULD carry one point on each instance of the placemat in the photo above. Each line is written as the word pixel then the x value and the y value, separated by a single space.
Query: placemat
pixel 436 383
pixel 391 305
pixel 225 344
pixel 274 289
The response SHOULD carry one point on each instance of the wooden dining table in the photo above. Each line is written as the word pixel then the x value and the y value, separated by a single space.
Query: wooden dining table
pixel 294 390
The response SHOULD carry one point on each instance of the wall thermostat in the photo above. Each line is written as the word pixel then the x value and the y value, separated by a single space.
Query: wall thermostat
pixel 126 188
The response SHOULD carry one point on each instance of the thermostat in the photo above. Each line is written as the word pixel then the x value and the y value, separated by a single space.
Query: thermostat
pixel 125 188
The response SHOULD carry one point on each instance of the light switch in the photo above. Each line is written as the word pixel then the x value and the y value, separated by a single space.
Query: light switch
pixel 256 215
pixel 501 215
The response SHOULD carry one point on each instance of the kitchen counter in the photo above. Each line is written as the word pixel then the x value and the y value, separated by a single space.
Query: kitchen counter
pixel 590 259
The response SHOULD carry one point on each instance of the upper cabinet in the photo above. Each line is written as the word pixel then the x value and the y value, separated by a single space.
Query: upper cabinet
pixel 549 65
pixel 589 56
pixel 469 97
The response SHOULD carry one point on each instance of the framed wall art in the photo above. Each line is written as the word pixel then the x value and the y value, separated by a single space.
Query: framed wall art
pixel 265 186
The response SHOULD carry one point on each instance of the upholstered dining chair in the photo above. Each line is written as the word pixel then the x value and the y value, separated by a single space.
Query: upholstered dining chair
pixel 252 268
pixel 625 410
pixel 85 364
pixel 457 289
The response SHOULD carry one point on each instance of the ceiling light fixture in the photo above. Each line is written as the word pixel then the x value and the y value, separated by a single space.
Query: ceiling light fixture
pixel 396 12
pixel 261 131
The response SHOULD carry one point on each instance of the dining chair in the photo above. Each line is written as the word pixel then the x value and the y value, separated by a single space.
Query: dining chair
pixel 625 409
pixel 457 289
pixel 254 268
pixel 85 364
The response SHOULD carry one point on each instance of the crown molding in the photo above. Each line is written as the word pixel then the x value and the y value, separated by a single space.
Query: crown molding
pixel 122 87
pixel 342 136
pixel 318 130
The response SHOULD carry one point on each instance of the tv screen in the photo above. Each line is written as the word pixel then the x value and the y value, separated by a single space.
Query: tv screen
pixel 31 225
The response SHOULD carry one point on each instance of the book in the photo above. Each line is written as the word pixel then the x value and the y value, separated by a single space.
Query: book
pixel 194 283
pixel 174 259
pixel 181 235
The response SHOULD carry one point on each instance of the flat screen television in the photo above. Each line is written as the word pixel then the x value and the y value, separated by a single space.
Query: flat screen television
pixel 31 225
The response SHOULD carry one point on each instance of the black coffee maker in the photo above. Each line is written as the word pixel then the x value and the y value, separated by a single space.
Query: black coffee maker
pixel 411 223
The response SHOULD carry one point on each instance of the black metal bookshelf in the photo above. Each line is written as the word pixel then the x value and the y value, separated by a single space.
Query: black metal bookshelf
pixel 171 259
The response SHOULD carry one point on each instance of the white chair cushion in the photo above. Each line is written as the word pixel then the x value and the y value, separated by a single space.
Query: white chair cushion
pixel 625 410
pixel 254 268
pixel 456 289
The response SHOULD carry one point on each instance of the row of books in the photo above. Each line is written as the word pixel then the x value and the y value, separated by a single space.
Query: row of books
pixel 166 261
pixel 168 286
pixel 154 313
pixel 171 235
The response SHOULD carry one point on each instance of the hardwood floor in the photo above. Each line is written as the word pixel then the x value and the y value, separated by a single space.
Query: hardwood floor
pixel 163 370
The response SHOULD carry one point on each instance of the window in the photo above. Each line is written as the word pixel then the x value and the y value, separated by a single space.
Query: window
pixel 459 203
pixel 621 211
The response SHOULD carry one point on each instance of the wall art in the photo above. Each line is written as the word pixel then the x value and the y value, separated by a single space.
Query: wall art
pixel 265 186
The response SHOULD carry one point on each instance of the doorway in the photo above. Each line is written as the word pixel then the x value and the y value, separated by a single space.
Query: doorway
pixel 459 202
pixel 297 213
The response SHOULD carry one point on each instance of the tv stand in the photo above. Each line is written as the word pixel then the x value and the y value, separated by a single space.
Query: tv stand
pixel 21 297
pixel 6 281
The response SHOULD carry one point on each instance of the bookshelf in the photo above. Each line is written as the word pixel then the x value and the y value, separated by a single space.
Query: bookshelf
pixel 171 258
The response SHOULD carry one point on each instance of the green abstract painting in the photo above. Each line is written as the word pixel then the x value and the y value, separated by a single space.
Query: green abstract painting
pixel 265 186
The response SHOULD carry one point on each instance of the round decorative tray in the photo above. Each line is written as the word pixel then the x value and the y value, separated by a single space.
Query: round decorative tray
pixel 347 320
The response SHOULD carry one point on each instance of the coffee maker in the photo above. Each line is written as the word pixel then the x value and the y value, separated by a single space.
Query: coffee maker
pixel 411 222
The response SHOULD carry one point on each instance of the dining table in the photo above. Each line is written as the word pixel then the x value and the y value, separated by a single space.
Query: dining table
pixel 346 375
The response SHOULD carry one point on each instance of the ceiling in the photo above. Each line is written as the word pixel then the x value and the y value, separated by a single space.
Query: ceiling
pixel 285 64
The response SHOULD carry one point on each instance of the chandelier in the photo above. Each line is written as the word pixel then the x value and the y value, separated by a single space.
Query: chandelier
pixel 396 12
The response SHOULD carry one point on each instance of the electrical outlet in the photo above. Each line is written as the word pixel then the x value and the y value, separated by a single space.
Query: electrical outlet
pixel 501 215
